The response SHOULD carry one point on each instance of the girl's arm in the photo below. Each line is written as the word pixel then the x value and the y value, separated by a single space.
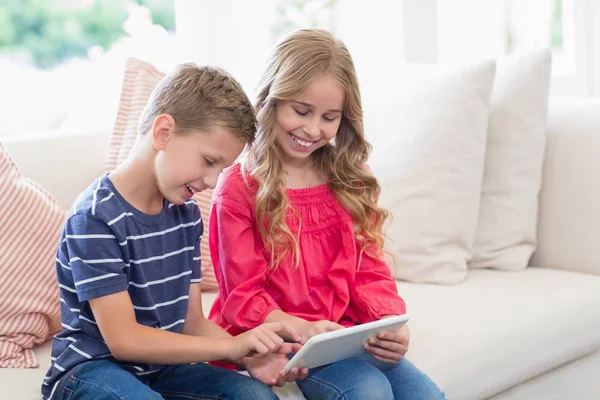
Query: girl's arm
pixel 375 294
pixel 239 265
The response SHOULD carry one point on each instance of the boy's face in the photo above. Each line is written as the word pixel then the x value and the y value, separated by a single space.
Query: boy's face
pixel 187 164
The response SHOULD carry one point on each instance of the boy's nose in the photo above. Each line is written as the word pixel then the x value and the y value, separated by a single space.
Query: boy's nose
pixel 209 182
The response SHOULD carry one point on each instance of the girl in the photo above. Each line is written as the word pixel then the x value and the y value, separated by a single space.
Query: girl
pixel 296 231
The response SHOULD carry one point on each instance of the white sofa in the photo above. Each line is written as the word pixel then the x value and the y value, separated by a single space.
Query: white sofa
pixel 502 335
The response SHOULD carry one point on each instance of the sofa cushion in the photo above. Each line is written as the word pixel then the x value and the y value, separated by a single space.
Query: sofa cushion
pixel 30 224
pixel 506 229
pixel 26 384
pixel 501 328
pixel 139 81
pixel 428 134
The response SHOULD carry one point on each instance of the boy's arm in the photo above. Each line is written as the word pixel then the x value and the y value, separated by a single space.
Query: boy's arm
pixel 130 341
pixel 196 324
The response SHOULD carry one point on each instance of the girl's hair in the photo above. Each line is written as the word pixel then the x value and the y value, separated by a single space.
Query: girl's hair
pixel 298 60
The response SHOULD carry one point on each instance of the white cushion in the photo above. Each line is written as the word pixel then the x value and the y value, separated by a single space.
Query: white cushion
pixel 428 128
pixel 574 380
pixel 506 231
pixel 569 215
pixel 64 163
pixel 500 328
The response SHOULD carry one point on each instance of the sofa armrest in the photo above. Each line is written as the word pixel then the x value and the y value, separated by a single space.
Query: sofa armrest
pixel 63 163
pixel 569 212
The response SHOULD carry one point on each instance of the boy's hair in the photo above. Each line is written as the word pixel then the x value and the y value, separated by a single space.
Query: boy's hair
pixel 297 60
pixel 200 98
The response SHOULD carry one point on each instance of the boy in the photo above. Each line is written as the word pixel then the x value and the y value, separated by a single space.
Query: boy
pixel 128 264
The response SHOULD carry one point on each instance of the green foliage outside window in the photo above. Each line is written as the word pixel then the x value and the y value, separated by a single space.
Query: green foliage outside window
pixel 50 31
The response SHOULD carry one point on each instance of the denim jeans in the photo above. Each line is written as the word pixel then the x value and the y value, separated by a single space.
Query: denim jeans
pixel 366 378
pixel 103 380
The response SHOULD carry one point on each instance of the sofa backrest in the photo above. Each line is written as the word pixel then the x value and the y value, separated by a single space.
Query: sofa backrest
pixel 63 163
pixel 569 213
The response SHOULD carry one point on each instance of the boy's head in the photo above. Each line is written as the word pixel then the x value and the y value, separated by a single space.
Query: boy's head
pixel 199 120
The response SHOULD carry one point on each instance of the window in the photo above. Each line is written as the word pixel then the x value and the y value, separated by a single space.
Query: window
pixel 62 60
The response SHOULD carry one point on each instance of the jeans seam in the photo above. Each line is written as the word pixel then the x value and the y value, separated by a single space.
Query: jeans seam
pixel 191 396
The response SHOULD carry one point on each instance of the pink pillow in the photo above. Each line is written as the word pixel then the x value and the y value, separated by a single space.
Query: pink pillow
pixel 138 83
pixel 30 224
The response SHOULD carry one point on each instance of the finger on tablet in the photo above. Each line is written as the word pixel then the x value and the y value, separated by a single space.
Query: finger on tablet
pixel 281 327
pixel 287 348
pixel 260 350
pixel 385 360
pixel 303 373
pixel 385 344
pixel 383 353
pixel 292 375
pixel 295 347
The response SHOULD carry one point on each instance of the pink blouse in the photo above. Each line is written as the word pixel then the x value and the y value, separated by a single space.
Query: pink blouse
pixel 328 284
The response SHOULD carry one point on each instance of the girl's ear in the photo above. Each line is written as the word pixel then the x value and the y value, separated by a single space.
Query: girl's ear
pixel 163 129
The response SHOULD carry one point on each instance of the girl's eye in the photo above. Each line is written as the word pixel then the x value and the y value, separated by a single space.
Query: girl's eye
pixel 301 113
pixel 209 162
pixel 329 119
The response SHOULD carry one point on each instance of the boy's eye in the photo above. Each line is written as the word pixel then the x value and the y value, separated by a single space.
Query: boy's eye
pixel 210 163
pixel 300 112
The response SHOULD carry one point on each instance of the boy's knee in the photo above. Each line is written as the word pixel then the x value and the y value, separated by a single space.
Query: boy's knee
pixel 253 390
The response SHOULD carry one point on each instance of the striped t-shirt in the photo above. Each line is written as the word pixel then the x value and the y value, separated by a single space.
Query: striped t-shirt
pixel 108 246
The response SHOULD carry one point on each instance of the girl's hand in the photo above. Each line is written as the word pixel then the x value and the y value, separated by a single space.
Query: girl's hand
pixel 311 329
pixel 389 347
pixel 262 340
pixel 269 370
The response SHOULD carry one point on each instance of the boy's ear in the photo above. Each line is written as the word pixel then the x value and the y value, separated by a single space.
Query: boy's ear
pixel 162 130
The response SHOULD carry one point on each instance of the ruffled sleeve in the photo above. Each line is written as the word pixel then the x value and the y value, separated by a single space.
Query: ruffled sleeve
pixel 240 266
pixel 375 294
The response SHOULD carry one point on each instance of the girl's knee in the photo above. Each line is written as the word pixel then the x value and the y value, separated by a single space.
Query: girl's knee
pixel 372 384
pixel 408 382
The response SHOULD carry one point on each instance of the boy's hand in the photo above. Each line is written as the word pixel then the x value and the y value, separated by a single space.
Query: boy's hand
pixel 269 369
pixel 311 329
pixel 262 340
pixel 389 347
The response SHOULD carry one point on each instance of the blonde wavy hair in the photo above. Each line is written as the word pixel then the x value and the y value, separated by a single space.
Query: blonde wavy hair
pixel 298 60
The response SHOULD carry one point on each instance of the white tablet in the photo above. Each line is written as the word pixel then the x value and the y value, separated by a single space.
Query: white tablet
pixel 342 344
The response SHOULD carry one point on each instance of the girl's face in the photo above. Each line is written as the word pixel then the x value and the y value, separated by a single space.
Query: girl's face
pixel 310 120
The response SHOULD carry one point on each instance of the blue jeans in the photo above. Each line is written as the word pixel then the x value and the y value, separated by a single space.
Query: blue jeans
pixel 366 378
pixel 104 380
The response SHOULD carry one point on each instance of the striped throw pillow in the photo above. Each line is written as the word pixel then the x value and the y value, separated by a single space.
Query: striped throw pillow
pixel 139 81
pixel 30 224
